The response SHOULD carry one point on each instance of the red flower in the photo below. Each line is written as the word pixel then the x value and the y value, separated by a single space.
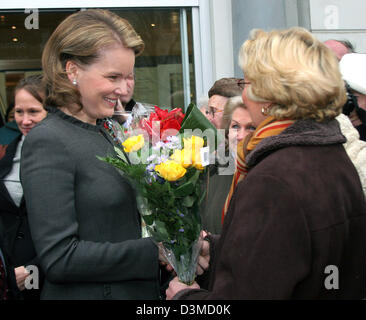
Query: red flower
pixel 162 114
pixel 167 127
pixel 168 120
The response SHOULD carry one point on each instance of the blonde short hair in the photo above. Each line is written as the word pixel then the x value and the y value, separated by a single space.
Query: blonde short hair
pixel 294 71
pixel 80 38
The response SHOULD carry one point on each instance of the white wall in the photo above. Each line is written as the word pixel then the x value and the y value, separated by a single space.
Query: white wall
pixel 213 43
pixel 222 38
pixel 249 14
pixel 340 19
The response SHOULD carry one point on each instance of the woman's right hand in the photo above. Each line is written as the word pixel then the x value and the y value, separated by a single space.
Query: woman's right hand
pixel 204 257
pixel 21 274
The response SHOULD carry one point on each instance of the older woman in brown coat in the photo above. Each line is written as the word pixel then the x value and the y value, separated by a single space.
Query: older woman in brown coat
pixel 296 224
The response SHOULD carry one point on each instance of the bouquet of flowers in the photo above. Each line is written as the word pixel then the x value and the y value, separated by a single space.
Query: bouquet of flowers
pixel 165 159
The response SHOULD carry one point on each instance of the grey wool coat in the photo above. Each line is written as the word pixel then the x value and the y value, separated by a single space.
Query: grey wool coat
pixel 83 216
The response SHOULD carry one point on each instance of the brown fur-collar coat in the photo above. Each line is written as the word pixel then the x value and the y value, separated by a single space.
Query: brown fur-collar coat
pixel 296 226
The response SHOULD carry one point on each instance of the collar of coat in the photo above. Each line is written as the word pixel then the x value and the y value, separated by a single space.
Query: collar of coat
pixel 301 133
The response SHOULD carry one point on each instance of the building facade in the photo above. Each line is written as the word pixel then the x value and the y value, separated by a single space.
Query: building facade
pixel 189 43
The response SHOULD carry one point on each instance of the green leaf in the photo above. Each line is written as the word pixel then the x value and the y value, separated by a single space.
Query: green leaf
pixel 188 201
pixel 115 162
pixel 121 154
pixel 161 229
pixel 194 119
pixel 102 159
pixel 149 219
pixel 184 190
pixel 195 177
pixel 144 153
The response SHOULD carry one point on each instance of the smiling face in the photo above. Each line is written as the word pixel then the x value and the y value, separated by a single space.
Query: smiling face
pixel 28 111
pixel 100 84
pixel 241 125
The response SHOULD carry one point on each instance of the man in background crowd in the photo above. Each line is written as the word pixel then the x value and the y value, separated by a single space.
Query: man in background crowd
pixel 219 94
pixel 352 67
pixel 340 47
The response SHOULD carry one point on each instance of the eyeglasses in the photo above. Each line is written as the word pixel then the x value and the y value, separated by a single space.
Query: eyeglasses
pixel 241 83
pixel 212 111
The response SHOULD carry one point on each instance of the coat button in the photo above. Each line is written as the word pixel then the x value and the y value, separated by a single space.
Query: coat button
pixel 20 235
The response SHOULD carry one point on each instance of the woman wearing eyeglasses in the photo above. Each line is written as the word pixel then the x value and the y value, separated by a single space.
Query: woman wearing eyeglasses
pixel 296 223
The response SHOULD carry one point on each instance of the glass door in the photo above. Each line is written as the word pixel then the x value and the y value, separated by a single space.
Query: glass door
pixel 165 72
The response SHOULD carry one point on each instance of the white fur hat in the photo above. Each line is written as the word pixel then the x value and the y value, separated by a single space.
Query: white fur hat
pixel 353 70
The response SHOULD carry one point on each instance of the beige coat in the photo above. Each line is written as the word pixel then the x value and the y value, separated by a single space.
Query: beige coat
pixel 355 148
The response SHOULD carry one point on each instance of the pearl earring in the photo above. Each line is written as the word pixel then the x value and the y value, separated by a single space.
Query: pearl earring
pixel 264 111
pixel 74 82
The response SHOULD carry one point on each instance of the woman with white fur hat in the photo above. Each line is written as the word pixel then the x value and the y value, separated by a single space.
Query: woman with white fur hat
pixel 353 70
pixel 351 67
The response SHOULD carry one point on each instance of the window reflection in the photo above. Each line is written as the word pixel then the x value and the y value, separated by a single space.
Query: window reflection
pixel 158 71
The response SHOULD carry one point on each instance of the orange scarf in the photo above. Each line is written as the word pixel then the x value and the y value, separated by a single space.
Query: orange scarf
pixel 269 127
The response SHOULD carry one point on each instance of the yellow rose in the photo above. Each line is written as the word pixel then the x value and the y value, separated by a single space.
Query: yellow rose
pixel 183 157
pixel 196 160
pixel 193 142
pixel 170 170
pixel 134 143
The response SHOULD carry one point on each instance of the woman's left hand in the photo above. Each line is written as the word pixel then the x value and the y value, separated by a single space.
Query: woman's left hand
pixel 175 286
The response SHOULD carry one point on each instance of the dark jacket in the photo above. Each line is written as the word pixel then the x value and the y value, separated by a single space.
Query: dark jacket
pixel 299 211
pixel 83 215
pixel 13 293
pixel 218 187
pixel 16 234
pixel 9 132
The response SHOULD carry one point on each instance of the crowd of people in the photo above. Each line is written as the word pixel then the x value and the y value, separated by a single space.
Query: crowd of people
pixel 292 205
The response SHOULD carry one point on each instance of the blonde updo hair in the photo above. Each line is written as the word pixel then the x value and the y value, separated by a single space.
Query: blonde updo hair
pixel 80 38
pixel 294 71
